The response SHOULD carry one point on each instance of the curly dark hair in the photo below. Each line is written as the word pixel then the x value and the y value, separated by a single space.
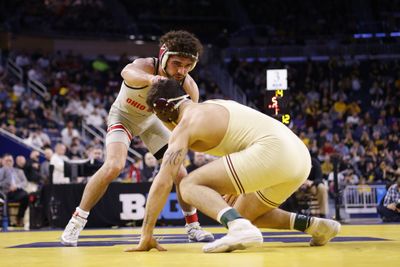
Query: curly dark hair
pixel 165 88
pixel 182 41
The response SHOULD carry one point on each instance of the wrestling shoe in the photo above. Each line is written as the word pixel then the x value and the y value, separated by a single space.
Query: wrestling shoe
pixel 241 235
pixel 71 233
pixel 322 231
pixel 197 234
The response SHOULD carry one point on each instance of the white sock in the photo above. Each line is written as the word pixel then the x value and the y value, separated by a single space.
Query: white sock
pixel 82 213
pixel 292 218
pixel 189 213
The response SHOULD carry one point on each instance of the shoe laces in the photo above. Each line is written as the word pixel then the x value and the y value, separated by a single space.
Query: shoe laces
pixel 74 228
pixel 193 227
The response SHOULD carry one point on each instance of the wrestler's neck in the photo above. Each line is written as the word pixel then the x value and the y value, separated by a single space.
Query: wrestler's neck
pixel 184 107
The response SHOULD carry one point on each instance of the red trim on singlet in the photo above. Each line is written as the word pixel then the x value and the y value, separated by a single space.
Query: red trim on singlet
pixel 116 127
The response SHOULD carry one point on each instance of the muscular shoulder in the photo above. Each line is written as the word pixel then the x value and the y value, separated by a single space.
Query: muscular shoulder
pixel 145 64
pixel 196 121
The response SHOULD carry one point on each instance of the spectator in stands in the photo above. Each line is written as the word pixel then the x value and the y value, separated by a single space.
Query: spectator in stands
pixel 22 60
pixel 68 133
pixel 57 160
pixel 326 166
pixel 150 168
pixel 13 183
pixel 32 172
pixel 133 173
pixel 45 165
pixel 315 186
pixel 74 152
pixel 18 89
pixel 199 159
pixel 95 119
pixel 35 138
pixel 389 208
pixel 346 176
pixel 85 108
pixel 97 154
pixel 96 159
pixel 43 136
pixel 20 162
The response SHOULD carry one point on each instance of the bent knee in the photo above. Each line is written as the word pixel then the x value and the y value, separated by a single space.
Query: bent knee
pixel 185 187
pixel 181 174
pixel 184 184
pixel 113 168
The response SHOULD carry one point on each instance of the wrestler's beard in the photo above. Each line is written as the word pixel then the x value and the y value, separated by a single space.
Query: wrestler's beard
pixel 173 77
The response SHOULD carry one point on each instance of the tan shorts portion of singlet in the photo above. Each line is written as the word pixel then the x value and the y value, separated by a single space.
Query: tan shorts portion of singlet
pixel 122 127
pixel 271 168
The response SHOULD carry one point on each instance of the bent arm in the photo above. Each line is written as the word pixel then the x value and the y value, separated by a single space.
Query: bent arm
pixel 138 73
pixel 191 88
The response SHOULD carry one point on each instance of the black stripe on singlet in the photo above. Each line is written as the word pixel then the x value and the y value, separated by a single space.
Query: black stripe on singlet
pixel 160 153
pixel 156 62
pixel 134 88
pixel 183 81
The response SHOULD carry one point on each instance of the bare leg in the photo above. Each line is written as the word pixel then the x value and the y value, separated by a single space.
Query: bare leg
pixel 322 197
pixel 94 190
pixel 193 229
pixel 98 184
pixel 275 219
pixel 203 188
pixel 250 207
pixel 185 206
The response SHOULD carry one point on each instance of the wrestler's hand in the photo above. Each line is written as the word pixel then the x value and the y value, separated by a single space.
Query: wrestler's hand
pixel 157 78
pixel 146 244
pixel 230 199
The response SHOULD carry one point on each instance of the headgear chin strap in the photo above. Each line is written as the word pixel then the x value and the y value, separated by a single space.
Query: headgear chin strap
pixel 165 54
pixel 166 110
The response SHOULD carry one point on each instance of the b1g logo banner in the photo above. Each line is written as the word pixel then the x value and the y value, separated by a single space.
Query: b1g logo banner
pixel 123 204
pixel 133 207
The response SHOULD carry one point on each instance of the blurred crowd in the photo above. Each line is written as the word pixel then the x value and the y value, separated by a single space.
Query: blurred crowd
pixel 343 107
pixel 79 91
pixel 277 22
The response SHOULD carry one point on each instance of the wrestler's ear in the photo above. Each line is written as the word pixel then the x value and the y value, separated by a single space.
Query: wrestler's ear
pixel 163 109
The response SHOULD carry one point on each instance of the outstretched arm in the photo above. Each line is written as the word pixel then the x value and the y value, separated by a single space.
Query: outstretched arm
pixel 161 187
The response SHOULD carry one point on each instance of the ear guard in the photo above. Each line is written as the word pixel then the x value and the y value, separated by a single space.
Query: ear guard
pixel 165 54
pixel 166 110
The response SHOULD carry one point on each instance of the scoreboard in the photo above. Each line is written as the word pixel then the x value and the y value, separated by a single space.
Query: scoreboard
pixel 276 103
